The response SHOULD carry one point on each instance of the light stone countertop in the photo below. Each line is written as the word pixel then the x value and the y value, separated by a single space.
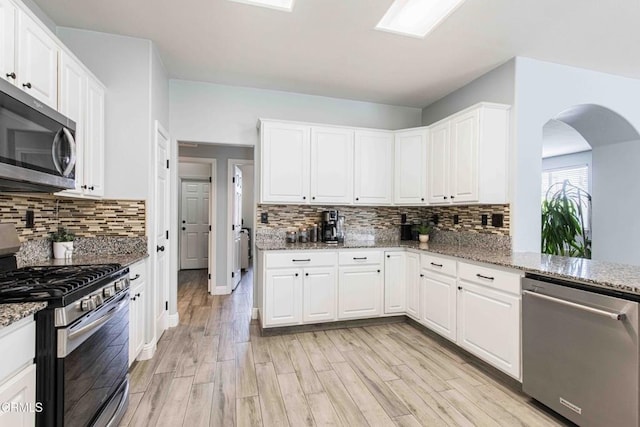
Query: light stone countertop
pixel 620 277
pixel 11 313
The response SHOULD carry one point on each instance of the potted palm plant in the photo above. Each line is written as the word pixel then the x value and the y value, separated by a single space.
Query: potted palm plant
pixel 62 243
pixel 423 232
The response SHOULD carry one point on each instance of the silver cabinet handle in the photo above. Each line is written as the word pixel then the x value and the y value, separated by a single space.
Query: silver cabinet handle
pixel 609 314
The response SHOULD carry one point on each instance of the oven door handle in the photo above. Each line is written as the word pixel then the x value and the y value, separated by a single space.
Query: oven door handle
pixel 99 321
pixel 593 310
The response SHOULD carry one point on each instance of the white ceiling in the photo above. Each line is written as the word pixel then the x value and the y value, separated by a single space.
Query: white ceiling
pixel 329 47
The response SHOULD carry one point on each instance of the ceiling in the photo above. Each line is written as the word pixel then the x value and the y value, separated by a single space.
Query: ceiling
pixel 329 47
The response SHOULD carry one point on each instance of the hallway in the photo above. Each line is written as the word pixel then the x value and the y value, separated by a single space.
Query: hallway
pixel 215 369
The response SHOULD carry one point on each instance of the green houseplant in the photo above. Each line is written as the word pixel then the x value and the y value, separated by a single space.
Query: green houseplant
pixel 62 243
pixel 423 232
pixel 565 210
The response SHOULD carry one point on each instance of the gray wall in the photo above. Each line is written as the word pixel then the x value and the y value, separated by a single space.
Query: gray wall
pixel 222 154
pixel 40 14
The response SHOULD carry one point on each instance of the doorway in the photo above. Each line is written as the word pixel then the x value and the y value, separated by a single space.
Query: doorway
pixel 161 233
pixel 241 206
pixel 194 227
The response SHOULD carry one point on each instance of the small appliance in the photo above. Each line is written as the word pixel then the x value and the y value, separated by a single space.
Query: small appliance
pixel 329 232
pixel 406 229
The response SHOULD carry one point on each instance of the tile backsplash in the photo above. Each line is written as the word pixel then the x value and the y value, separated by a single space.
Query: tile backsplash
pixel 83 217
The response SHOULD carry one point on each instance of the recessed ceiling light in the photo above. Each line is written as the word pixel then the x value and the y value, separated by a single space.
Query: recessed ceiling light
pixel 416 18
pixel 284 5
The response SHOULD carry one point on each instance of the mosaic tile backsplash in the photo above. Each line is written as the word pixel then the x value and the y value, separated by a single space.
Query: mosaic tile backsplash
pixel 83 217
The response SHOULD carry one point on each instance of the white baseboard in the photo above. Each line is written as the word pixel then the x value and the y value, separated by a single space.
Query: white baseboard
pixel 254 313
pixel 174 320
pixel 221 290
pixel 147 351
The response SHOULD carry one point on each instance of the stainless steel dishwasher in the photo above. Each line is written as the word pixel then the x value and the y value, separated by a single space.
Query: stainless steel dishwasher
pixel 580 351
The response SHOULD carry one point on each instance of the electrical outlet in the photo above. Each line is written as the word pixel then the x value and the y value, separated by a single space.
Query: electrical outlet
pixel 30 219
pixel 435 219
pixel 484 219
pixel 497 220
pixel 456 219
pixel 264 218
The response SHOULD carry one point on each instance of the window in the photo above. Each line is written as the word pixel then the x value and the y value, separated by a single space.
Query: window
pixel 577 175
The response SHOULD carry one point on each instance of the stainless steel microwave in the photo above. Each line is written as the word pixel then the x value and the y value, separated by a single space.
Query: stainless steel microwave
pixel 37 144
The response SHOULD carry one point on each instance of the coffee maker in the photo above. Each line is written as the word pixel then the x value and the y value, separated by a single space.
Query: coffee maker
pixel 329 227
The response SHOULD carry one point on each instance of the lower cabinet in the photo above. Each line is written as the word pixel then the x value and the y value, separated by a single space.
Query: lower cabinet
pixel 395 272
pixel 412 283
pixel 137 310
pixel 283 297
pixel 319 294
pixel 20 390
pixel 438 311
pixel 360 290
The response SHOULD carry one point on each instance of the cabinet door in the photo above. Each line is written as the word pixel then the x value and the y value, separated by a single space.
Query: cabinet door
pixel 360 292
pixel 410 167
pixel 133 329
pixel 489 326
pixel 464 157
pixel 395 273
pixel 94 141
pixel 439 304
pixel 72 103
pixel 413 285
pixel 373 168
pixel 37 61
pixel 319 290
pixel 285 163
pixel 331 165
pixel 8 40
pixel 20 389
pixel 438 164
pixel 140 313
pixel 283 297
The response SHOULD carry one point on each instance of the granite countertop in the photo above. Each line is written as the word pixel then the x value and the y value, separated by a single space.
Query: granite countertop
pixel 11 313
pixel 123 259
pixel 621 277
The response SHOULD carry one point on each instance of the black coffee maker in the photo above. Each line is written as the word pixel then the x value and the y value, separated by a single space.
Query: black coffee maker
pixel 329 227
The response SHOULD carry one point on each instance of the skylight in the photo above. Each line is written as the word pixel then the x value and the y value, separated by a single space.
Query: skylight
pixel 284 5
pixel 416 18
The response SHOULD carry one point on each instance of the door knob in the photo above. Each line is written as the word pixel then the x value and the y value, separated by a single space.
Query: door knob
pixel 159 248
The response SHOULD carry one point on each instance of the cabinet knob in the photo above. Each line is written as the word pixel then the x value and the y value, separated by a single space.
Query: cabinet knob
pixel 388 256
pixel 133 299
pixel 421 275
pixel 84 187
pixel 26 85
pixel 313 198
pixel 92 188
pixel 422 199
pixel 297 274
pixel 459 288
pixel 357 198
pixel 304 197
pixel 445 197
pixel 378 271
pixel 138 295
pixel 11 75
pixel 453 197
pixel 184 228
pixel 159 248
pixel 306 274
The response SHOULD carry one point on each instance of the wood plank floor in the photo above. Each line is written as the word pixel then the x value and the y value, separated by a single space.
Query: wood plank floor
pixel 214 369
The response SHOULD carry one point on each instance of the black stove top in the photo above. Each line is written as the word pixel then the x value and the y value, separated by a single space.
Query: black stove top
pixel 50 283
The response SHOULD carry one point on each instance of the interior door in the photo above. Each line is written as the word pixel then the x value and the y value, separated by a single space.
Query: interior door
pixel 161 231
pixel 194 235
pixel 237 225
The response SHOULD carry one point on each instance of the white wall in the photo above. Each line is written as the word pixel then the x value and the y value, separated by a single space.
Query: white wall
pixel 247 196
pixel 542 91
pixel 205 112
pixel 222 154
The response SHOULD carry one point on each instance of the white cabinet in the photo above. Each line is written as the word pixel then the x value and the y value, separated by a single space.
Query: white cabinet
pixel 468 155
pixel 137 312
pixel 331 165
pixel 373 168
pixel 395 283
pixel 412 280
pixel 360 291
pixel 438 311
pixel 20 390
pixel 319 294
pixel 94 139
pixel 8 14
pixel 283 297
pixel 37 58
pixel 285 162
pixel 411 167
pixel 488 322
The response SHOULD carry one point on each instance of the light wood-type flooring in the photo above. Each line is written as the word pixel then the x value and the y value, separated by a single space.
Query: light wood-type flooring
pixel 215 369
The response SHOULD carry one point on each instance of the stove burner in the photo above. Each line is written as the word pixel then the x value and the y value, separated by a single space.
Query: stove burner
pixel 49 282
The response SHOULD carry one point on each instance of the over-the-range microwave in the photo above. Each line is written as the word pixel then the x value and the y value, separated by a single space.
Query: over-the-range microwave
pixel 37 144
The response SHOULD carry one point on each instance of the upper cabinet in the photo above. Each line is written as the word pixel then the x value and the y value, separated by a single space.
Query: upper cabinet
pixel 37 58
pixel 467 156
pixel 8 13
pixel 331 165
pixel 94 140
pixel 411 167
pixel 373 168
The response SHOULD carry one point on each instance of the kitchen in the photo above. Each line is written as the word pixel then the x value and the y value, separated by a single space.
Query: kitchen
pixel 140 91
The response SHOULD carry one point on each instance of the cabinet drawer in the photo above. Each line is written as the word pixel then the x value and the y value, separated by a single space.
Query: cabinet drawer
pixel 439 265
pixel 301 259
pixel 20 337
pixel 360 257
pixel 497 279
pixel 137 272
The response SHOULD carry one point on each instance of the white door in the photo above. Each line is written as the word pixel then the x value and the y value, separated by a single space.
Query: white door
pixel 331 165
pixel 489 326
pixel 438 164
pixel 395 272
pixel 411 167
pixel 37 61
pixel 283 297
pixel 412 279
pixel 285 163
pixel 73 104
pixel 319 292
pixel 236 227
pixel 161 232
pixel 8 41
pixel 360 291
pixel 21 390
pixel 194 234
pixel 464 158
pixel 373 168
pixel 94 140
pixel 439 304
